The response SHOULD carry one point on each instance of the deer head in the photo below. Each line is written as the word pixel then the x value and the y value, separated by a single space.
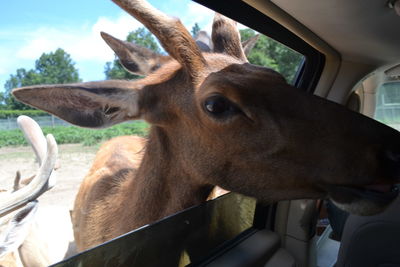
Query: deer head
pixel 226 122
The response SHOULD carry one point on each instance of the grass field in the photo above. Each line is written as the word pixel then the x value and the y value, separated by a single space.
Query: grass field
pixel 76 135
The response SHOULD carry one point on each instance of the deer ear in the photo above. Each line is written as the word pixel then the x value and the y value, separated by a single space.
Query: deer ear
pixel 93 105
pixel 249 44
pixel 226 38
pixel 135 59
pixel 203 41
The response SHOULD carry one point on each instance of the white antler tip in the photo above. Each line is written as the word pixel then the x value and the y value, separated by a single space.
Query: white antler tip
pixel 24 119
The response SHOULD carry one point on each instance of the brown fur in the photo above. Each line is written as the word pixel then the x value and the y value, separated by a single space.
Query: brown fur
pixel 173 36
pixel 226 37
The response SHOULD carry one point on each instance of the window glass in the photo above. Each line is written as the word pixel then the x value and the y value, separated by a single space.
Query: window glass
pixel 388 104
pixel 184 238
pixel 272 54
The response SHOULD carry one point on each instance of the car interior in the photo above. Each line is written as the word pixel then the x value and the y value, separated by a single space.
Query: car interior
pixel 351 55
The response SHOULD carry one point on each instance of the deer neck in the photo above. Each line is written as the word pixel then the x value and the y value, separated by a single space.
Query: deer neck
pixel 163 186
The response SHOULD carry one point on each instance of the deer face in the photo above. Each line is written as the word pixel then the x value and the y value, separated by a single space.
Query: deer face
pixel 236 125
pixel 251 126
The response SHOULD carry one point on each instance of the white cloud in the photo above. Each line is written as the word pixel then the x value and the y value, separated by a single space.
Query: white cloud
pixel 41 40
pixel 83 43
pixel 200 14
pixel 6 60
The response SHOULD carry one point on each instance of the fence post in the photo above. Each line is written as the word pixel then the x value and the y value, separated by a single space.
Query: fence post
pixel 9 123
pixel 52 121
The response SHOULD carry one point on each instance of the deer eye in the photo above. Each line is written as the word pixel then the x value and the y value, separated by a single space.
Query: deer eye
pixel 219 106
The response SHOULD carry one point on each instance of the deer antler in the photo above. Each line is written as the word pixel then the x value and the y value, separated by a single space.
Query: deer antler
pixel 35 137
pixel 172 35
pixel 40 183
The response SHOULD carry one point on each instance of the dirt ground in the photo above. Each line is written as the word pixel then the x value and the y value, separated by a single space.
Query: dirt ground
pixel 75 161
pixel 53 216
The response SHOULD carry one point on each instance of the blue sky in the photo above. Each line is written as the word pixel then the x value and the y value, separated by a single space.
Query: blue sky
pixel 29 28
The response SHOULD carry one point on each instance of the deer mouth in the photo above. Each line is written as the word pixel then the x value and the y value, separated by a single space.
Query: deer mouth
pixel 380 194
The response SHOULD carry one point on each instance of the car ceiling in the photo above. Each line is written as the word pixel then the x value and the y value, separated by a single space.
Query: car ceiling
pixel 365 31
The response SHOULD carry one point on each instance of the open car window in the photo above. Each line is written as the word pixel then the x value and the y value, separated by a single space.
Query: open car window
pixel 272 54
pixel 197 234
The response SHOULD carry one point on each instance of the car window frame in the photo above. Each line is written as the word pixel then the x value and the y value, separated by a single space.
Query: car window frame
pixel 310 71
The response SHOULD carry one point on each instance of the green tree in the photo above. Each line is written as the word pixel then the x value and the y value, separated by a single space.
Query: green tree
pixel 140 36
pixel 2 101
pixel 195 29
pixel 269 53
pixel 56 67
pixel 21 78
pixel 52 68
pixel 114 70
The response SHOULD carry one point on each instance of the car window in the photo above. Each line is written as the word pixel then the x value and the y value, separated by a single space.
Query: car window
pixel 388 104
pixel 215 223
pixel 269 53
